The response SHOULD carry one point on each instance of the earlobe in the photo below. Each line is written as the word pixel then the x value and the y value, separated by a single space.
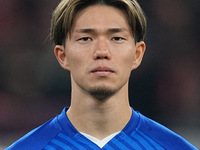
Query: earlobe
pixel 139 53
pixel 59 52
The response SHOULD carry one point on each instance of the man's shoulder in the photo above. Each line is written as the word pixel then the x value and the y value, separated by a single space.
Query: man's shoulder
pixel 38 137
pixel 162 135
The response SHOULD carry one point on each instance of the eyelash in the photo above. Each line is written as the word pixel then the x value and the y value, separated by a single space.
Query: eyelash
pixel 85 39
pixel 118 38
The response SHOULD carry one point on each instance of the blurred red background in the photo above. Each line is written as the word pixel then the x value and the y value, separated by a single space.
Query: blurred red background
pixel 34 88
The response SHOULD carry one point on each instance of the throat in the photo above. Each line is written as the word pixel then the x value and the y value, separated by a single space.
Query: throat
pixel 99 118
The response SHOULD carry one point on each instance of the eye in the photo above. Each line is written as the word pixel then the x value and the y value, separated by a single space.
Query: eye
pixel 118 39
pixel 84 39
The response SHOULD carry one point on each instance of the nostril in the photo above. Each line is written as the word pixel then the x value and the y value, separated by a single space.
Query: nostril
pixel 99 57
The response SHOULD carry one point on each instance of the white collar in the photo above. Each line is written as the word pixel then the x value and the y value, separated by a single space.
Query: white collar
pixel 98 142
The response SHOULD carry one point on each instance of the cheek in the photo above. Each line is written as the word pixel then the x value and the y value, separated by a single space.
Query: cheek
pixel 127 58
pixel 72 54
pixel 74 63
pixel 77 59
pixel 131 55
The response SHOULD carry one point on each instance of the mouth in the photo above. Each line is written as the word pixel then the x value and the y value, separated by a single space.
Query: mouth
pixel 102 71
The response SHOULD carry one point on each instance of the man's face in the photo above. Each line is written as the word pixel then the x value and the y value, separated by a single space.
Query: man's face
pixel 101 52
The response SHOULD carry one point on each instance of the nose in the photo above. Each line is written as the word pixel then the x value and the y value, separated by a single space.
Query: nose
pixel 102 49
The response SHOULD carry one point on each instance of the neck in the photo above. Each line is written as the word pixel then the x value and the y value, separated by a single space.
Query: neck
pixel 100 118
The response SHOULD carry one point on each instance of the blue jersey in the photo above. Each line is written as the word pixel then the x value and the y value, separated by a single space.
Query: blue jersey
pixel 141 133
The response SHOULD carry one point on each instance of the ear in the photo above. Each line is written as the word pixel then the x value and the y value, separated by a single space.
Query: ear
pixel 59 52
pixel 139 53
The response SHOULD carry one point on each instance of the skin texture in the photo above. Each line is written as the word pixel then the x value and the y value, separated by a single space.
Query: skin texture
pixel 100 54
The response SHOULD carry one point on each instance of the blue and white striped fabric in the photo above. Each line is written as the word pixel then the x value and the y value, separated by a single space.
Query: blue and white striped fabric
pixel 141 133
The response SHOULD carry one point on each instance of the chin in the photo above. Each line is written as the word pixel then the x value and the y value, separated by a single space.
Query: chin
pixel 102 93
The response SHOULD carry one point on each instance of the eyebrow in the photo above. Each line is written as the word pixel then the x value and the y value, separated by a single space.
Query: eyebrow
pixel 92 30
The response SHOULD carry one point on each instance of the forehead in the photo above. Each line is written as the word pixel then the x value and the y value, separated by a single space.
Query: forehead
pixel 100 17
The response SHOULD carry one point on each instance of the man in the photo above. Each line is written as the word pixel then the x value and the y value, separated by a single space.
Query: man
pixel 100 42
